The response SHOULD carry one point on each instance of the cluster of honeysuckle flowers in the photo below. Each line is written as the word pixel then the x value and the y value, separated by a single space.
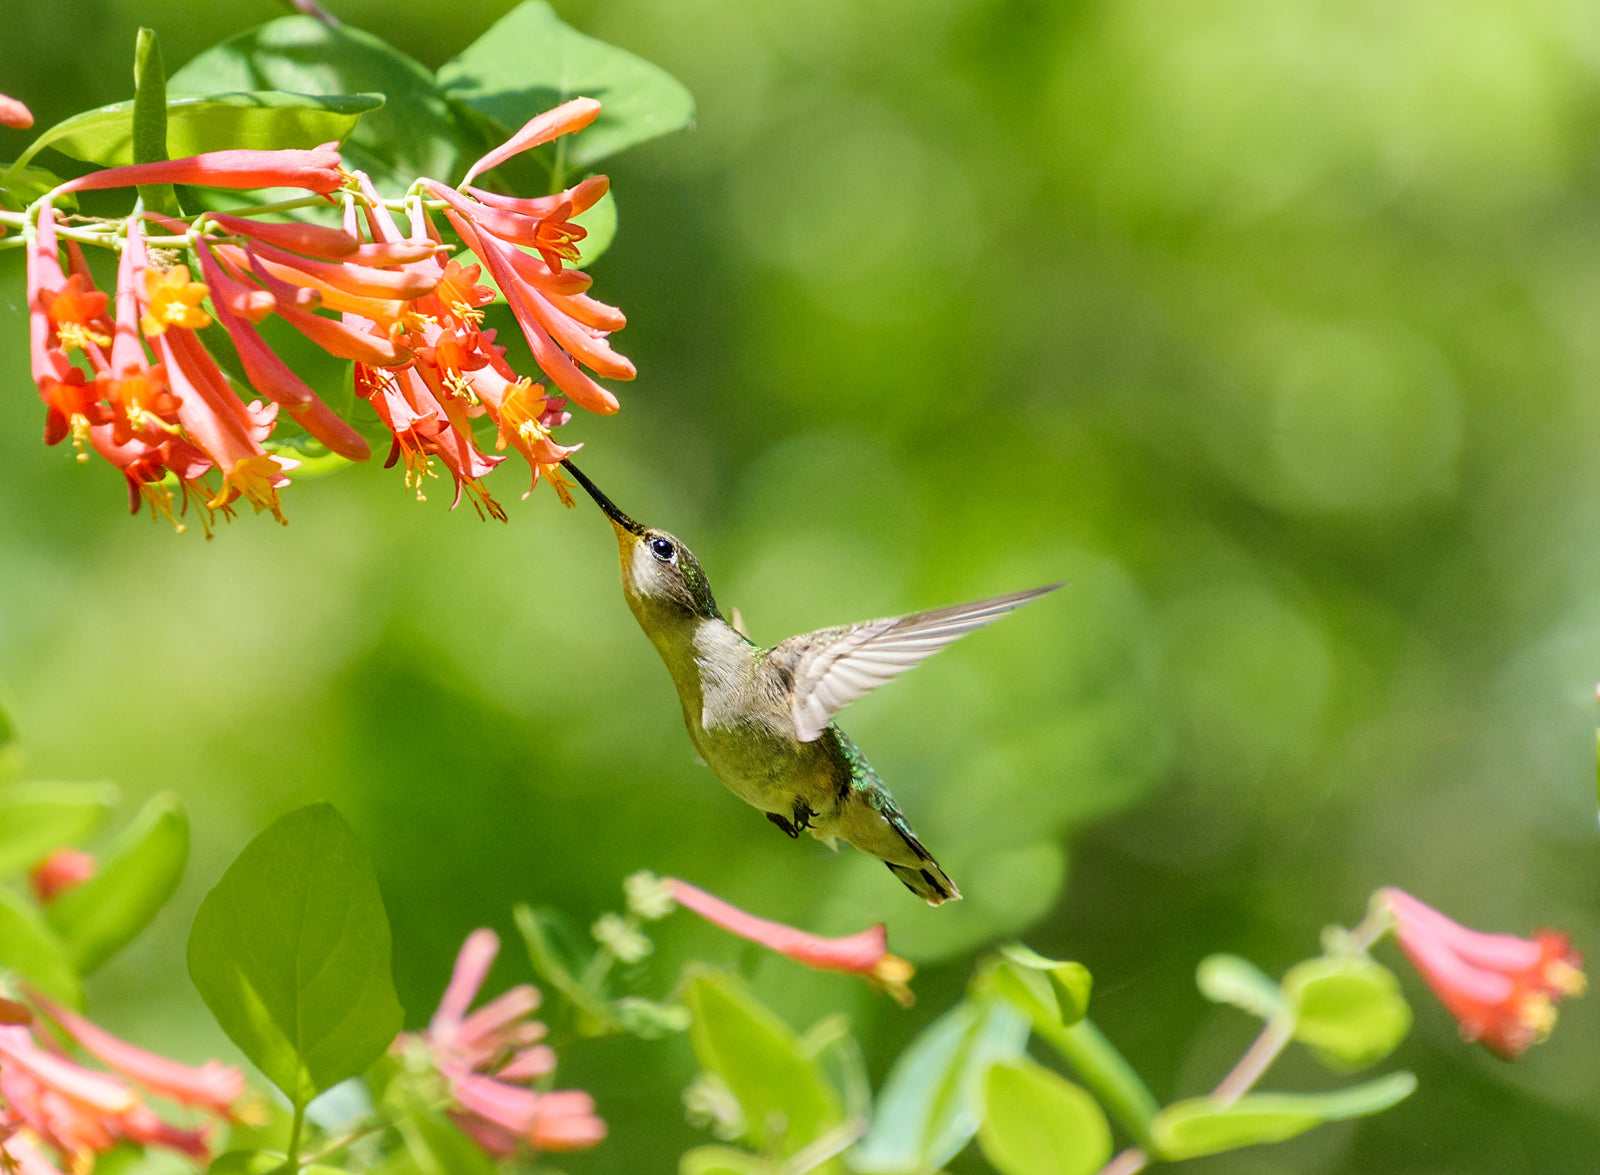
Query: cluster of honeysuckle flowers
pixel 56 1115
pixel 139 386
pixel 488 1057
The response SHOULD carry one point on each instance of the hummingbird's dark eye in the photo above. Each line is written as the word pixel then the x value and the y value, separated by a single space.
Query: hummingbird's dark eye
pixel 663 550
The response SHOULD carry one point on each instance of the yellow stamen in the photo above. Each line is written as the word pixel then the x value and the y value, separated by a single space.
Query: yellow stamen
pixel 78 336
pixel 80 434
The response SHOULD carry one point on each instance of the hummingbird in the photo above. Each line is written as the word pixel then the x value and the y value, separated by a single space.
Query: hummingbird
pixel 762 718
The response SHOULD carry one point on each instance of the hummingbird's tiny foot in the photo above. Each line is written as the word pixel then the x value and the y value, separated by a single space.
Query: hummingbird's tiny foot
pixel 788 828
pixel 802 817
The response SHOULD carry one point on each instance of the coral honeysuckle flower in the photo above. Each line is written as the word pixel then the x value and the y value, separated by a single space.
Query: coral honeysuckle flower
pixel 45 279
pixel 76 314
pixel 59 872
pixel 866 954
pixel 541 128
pixel 521 296
pixel 14 114
pixel 173 300
pixel 73 1110
pixel 298 236
pixel 213 1086
pixel 486 1058
pixel 316 170
pixel 272 377
pixel 72 407
pixel 1501 989
pixel 225 429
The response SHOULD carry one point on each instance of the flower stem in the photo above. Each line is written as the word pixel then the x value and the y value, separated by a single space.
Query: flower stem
pixel 292 1163
pixel 1258 1058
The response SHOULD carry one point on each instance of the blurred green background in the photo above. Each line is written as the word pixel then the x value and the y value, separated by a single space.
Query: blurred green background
pixel 1271 326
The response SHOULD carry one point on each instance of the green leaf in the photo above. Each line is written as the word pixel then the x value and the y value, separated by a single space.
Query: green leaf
pixel 10 751
pixel 723 1160
pixel 1098 1064
pixel 595 1016
pixel 30 948
pixel 150 118
pixel 1036 1122
pixel 1052 993
pixel 415 133
pixel 290 952
pixel 1205 1126
pixel 932 1101
pixel 530 61
pixel 21 185
pixel 37 818
pixel 1349 1010
pixel 1229 979
pixel 600 219
pixel 786 1101
pixel 265 119
pixel 137 873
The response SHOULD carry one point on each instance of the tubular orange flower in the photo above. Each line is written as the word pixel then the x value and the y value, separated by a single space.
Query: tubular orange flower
pixel 213 1086
pixel 541 128
pixel 316 170
pixel 75 314
pixel 866 954
pixel 314 240
pixel 72 407
pixel 554 361
pixel 78 1112
pixel 14 114
pixel 45 280
pixel 486 1057
pixel 1501 989
pixel 59 872
pixel 225 429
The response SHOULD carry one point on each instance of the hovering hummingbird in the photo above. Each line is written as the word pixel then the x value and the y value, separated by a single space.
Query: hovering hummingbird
pixel 762 719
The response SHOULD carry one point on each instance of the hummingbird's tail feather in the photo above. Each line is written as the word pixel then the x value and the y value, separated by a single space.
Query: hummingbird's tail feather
pixel 925 879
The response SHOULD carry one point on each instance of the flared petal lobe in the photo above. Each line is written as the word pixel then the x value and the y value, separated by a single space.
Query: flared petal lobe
pixel 1501 989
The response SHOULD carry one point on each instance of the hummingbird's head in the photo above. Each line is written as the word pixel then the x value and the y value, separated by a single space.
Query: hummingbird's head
pixel 659 574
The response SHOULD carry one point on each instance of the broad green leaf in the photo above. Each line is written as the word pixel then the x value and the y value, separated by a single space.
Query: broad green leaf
pixel 601 222
pixel 290 952
pixel 30 948
pixel 37 818
pixel 1229 979
pixel 530 61
pixel 786 1101
pixel 1100 1066
pixel 1036 1122
pixel 415 133
pixel 932 1101
pixel 1348 1009
pixel 1205 1126
pixel 723 1160
pixel 265 119
pixel 137 873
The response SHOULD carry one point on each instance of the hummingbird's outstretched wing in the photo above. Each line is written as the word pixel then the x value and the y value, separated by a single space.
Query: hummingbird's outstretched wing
pixel 835 666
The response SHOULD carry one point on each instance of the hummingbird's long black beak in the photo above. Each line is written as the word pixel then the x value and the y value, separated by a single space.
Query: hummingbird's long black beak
pixel 604 502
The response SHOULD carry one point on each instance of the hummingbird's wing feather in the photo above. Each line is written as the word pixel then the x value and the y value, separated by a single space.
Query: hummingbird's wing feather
pixel 836 666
